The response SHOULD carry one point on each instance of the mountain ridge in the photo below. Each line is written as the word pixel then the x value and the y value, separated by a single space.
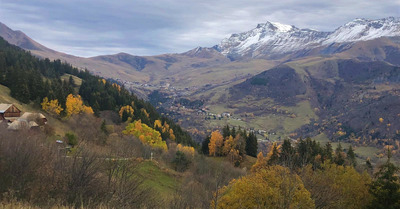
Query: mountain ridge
pixel 275 38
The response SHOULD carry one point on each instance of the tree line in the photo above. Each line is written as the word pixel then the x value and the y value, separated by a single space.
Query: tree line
pixel 30 80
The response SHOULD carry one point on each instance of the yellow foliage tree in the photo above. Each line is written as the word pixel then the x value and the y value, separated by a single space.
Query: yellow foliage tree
pixel 145 112
pixel 228 145
pixel 74 105
pixel 188 151
pixel 171 134
pixel 381 120
pixel 164 128
pixel 216 142
pixel 341 186
pixel 146 134
pixel 51 106
pixel 275 187
pixel 260 163
pixel 157 123
pixel 118 87
pixel 127 109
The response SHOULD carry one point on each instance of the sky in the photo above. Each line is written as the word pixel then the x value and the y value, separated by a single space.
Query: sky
pixel 149 27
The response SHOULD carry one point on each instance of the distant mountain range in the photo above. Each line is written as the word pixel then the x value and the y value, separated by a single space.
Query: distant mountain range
pixel 273 39
pixel 270 41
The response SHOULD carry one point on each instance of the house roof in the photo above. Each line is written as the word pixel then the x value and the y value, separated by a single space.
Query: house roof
pixel 29 116
pixel 16 125
pixel 19 124
pixel 4 107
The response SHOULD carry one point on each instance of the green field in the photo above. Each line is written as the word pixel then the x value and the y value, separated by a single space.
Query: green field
pixel 161 180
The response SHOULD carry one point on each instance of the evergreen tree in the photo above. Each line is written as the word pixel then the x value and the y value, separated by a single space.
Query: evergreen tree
pixel 287 154
pixel 339 158
pixel 125 116
pixel 233 132
pixel 226 132
pixel 385 188
pixel 251 145
pixel 351 157
pixel 274 157
pixel 204 146
pixel 368 166
pixel 327 152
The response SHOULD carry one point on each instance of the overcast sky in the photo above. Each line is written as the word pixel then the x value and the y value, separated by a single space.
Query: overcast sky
pixel 149 27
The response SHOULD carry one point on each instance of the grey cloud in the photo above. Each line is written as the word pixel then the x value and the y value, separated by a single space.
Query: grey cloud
pixel 88 28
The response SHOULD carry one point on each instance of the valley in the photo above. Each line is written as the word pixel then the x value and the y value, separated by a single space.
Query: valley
pixel 302 87
pixel 110 104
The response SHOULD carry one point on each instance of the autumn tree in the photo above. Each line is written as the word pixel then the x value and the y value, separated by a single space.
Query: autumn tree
pixel 216 142
pixel 336 186
pixel 187 150
pixel 228 145
pixel 74 105
pixel 260 163
pixel 275 187
pixel 126 112
pixel 146 134
pixel 51 106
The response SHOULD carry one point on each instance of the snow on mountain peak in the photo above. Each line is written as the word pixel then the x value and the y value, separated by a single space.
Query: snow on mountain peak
pixel 282 27
pixel 277 38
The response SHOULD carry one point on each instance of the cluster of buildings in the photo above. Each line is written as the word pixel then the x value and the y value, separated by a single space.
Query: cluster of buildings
pixel 15 120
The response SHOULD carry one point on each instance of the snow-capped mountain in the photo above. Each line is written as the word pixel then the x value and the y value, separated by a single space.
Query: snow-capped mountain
pixel 277 39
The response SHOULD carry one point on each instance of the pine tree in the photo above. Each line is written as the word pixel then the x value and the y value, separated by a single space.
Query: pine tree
pixel 368 166
pixel 287 154
pixel 339 158
pixel 226 132
pixel 251 145
pixel 351 157
pixel 274 156
pixel 385 188
pixel 328 152
pixel 204 146
pixel 125 116
pixel 233 132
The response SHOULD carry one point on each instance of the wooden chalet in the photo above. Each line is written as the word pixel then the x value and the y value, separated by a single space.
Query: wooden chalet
pixel 9 111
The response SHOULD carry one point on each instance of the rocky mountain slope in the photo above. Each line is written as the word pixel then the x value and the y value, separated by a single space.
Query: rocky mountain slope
pixel 274 40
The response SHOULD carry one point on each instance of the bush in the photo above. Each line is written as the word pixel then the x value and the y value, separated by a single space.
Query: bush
pixel 72 139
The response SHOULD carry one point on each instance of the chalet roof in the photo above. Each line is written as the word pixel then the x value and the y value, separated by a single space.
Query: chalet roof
pixel 16 125
pixel 4 107
pixel 19 124
pixel 29 116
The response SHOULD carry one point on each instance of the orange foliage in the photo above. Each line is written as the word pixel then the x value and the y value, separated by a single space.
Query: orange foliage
pixel 145 112
pixel 260 163
pixel 381 120
pixel 74 105
pixel 188 151
pixel 51 106
pixel 146 134
pixel 228 145
pixel 216 143
pixel 118 87
pixel 127 109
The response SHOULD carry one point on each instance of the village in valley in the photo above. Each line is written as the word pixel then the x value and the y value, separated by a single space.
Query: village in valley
pixel 12 117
